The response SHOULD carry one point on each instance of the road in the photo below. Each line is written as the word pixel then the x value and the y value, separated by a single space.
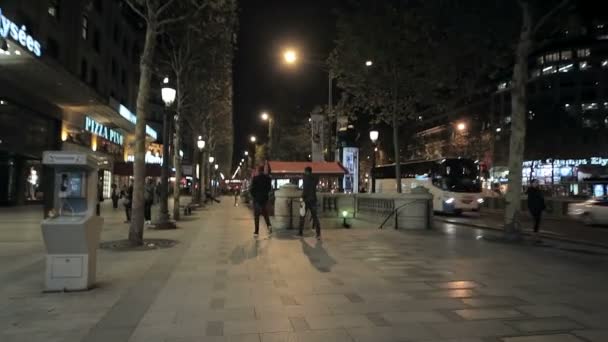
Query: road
pixel 550 227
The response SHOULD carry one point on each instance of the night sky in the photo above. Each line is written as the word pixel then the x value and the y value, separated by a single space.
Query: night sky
pixel 261 81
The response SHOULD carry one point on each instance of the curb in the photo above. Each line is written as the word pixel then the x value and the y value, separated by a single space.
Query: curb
pixel 544 235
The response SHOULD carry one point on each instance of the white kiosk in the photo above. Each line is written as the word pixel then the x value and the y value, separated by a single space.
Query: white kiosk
pixel 71 233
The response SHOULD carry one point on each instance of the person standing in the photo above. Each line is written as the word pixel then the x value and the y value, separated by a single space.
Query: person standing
pixel 128 201
pixel 309 197
pixel 148 200
pixel 260 190
pixel 536 206
pixel 237 193
pixel 115 195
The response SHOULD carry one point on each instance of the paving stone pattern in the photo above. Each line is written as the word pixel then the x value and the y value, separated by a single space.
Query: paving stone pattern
pixel 221 284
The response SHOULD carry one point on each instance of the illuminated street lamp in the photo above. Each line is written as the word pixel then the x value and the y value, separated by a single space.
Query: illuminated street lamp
pixel 217 166
pixel 290 56
pixel 461 126
pixel 253 139
pixel 373 136
pixel 246 153
pixel 168 94
pixel 211 160
pixel 266 117
pixel 369 63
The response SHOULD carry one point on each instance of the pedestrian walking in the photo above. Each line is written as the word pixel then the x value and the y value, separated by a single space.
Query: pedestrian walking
pixel 148 200
pixel 127 201
pixel 260 190
pixel 115 195
pixel 536 206
pixel 237 193
pixel 309 197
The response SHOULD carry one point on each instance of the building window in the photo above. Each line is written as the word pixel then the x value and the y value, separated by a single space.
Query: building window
pixel 566 55
pixel 84 70
pixel 566 67
pixel 54 6
pixel 52 48
pixel 583 53
pixel 552 57
pixel 97 40
pixel 85 27
pixel 94 78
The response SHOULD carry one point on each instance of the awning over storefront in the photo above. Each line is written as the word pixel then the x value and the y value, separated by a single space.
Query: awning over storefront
pixel 126 169
pixel 296 169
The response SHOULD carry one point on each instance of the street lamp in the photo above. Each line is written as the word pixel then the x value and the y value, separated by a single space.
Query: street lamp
pixel 369 63
pixel 211 160
pixel 253 139
pixel 246 153
pixel 217 166
pixel 200 143
pixel 266 117
pixel 461 126
pixel 373 136
pixel 168 94
pixel 290 56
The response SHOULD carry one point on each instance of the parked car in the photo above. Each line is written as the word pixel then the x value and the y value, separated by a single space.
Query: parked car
pixel 593 211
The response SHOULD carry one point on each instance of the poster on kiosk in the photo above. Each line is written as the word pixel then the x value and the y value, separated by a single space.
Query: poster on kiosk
pixel 71 231
pixel 350 161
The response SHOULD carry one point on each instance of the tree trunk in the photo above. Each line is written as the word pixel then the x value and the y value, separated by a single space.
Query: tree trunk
pixel 177 164
pixel 136 230
pixel 397 152
pixel 518 125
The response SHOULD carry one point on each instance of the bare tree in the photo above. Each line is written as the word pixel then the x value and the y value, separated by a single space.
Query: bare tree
pixel 530 28
pixel 156 14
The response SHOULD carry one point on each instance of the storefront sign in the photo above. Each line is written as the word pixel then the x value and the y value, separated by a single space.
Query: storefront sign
pixel 96 128
pixel 19 35
pixel 149 159
pixel 567 162
pixel 126 113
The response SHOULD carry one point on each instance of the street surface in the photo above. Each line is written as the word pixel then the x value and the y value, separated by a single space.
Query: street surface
pixel 552 228
pixel 219 284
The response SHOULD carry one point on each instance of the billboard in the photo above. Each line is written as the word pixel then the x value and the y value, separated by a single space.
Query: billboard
pixel 350 161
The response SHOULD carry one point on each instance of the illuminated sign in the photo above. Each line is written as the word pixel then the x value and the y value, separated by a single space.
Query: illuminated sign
pixel 149 159
pixel 568 162
pixel 126 113
pixel 96 128
pixel 19 34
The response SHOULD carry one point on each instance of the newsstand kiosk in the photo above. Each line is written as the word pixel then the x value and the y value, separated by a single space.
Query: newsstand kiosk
pixel 71 233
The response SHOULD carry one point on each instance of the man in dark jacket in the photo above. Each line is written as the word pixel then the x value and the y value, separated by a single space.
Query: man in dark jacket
pixel 536 205
pixel 260 190
pixel 309 197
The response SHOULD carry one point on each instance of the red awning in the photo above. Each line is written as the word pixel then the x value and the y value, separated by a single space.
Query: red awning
pixel 280 168
pixel 126 169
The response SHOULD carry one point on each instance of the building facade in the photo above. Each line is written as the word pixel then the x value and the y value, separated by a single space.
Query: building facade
pixel 567 125
pixel 69 71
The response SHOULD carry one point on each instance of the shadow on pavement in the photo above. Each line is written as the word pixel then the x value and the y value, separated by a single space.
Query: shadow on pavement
pixel 249 250
pixel 318 256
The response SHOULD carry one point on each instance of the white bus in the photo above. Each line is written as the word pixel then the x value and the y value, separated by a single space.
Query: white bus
pixel 454 182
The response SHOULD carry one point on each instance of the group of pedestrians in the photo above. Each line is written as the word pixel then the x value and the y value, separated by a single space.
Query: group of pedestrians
pixel 261 186
pixel 151 191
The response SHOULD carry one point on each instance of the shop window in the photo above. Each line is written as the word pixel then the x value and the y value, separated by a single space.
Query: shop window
pixel 552 57
pixel 566 55
pixel 84 31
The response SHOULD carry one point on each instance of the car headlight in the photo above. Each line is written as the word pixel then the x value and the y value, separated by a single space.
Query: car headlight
pixel 480 200
pixel 450 200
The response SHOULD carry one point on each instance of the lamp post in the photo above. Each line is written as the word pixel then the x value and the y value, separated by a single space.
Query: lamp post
pixel 373 136
pixel 201 147
pixel 267 117
pixel 210 175
pixel 168 95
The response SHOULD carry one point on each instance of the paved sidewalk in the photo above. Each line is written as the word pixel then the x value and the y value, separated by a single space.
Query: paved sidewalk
pixel 220 284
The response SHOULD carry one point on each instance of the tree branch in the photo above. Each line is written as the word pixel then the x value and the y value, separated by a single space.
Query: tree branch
pixel 136 10
pixel 171 20
pixel 162 8
pixel 543 20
